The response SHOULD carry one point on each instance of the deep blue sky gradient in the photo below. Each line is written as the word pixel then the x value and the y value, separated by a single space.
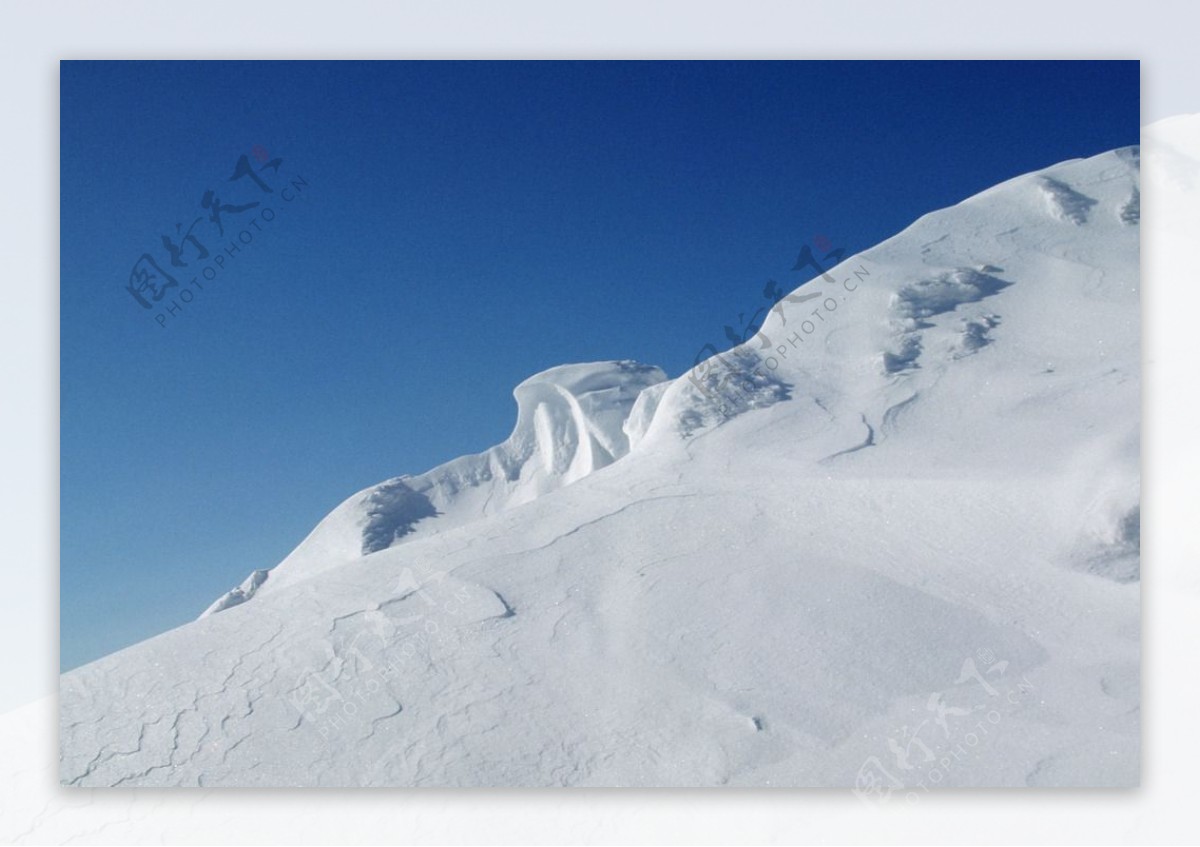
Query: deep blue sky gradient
pixel 464 225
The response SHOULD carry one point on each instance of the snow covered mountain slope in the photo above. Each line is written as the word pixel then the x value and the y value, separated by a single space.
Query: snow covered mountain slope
pixel 890 542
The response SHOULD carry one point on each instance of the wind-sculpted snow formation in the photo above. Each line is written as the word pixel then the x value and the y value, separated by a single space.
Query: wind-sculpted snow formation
pixel 569 424
pixel 890 541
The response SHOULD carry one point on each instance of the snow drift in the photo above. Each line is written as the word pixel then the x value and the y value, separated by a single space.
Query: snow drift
pixel 569 424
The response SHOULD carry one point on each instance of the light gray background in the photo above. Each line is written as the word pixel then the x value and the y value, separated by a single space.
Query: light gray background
pixel 36 36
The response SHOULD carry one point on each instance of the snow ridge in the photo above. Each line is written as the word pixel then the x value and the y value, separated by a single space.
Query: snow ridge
pixel 570 423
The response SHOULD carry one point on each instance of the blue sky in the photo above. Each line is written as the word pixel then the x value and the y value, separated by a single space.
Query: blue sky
pixel 452 228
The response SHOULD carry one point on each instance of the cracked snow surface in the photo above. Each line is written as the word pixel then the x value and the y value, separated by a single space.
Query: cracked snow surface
pixel 767 571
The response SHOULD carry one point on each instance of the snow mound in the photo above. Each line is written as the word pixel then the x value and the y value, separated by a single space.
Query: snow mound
pixel 392 511
pixel 915 303
pixel 944 293
pixel 1131 210
pixel 715 391
pixel 1065 202
pixel 976 333
pixel 239 595
pixel 570 423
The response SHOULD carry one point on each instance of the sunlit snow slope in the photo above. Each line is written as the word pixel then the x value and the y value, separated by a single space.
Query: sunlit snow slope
pixel 890 542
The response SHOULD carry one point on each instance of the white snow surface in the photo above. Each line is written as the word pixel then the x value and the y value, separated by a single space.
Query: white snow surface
pixel 899 523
